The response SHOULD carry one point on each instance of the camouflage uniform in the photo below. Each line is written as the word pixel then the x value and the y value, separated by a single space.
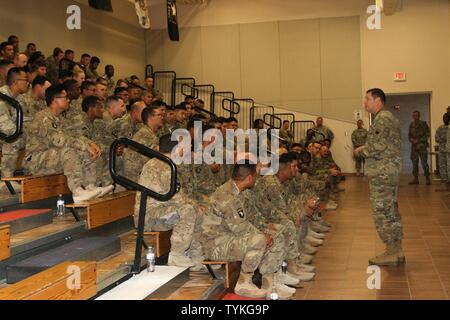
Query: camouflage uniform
pixel 30 105
pixel 382 152
pixel 180 214
pixel 166 129
pixel 359 138
pixel 96 171
pixel 203 182
pixel 125 127
pixel 227 235
pixel 324 133
pixel 284 236
pixel 10 150
pixel 286 135
pixel 52 69
pixel 134 161
pixel 441 140
pixel 52 150
pixel 420 132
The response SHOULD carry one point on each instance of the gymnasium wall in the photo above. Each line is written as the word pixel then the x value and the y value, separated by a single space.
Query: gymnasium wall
pixel 44 23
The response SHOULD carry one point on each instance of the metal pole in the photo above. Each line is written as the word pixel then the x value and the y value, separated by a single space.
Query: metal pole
pixel 140 234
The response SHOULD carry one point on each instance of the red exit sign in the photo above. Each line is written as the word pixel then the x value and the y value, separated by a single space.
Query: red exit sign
pixel 400 76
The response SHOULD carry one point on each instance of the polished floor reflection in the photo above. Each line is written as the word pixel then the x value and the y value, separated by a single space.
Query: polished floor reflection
pixel 342 260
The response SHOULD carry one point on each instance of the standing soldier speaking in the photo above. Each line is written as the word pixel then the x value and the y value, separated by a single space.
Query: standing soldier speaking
pixel 359 138
pixel 419 134
pixel 382 152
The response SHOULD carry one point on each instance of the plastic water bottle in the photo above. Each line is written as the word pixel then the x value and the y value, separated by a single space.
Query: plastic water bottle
pixel 284 266
pixel 60 206
pixel 151 262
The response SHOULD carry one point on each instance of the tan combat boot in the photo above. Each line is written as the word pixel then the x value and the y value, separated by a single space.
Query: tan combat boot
pixel 295 269
pixel 246 288
pixel 269 285
pixel 393 256
pixel 414 181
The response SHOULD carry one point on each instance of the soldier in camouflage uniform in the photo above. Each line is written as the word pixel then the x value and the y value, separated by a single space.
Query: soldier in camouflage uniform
pixel 359 137
pixel 180 214
pixel 441 140
pixel 52 149
pixel 34 100
pixel 169 122
pixel 128 125
pixel 181 117
pixel 17 84
pixel 447 148
pixel 419 134
pixel 227 235
pixel 147 136
pixel 322 132
pixel 382 152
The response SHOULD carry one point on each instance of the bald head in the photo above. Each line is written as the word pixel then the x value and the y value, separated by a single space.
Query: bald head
pixel 20 60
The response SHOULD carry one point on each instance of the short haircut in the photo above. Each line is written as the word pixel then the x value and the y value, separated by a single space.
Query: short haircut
pixel 181 106
pixel 147 113
pixel 286 121
pixel 68 51
pixel 12 37
pixel 166 144
pixel 305 157
pixel 119 90
pixel 52 92
pixel 188 97
pixel 31 44
pixel 85 55
pixel 65 74
pixel 287 158
pixel 68 84
pixel 109 66
pixel 39 80
pixel 111 100
pixel 134 77
pixel 57 51
pixel 13 73
pixel 5 62
pixel 243 170
pixel 86 84
pixel 417 111
pixel 3 45
pixel 295 145
pixel 89 102
pixel 230 120
pixel 133 104
pixel 158 104
pixel 378 93
pixel 221 120
pixel 95 60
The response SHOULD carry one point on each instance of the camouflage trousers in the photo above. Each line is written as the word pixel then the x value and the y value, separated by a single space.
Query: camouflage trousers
pixel 251 250
pixel 284 241
pixel 383 196
pixel 358 163
pixel 133 164
pixel 185 222
pixel 55 161
pixel 96 172
pixel 423 155
pixel 443 166
pixel 10 154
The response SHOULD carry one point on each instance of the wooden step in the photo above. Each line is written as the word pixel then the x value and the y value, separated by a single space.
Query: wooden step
pixel 41 187
pixel 23 220
pixel 5 251
pixel 52 284
pixel 107 209
pixel 232 270
pixel 84 249
pixel 160 240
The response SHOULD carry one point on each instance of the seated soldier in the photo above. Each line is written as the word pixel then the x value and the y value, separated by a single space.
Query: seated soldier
pixel 16 84
pixel 181 116
pixel 51 149
pixel 34 100
pixel 169 122
pixel 128 125
pixel 227 235
pixel 180 214
pixel 147 136
pixel 276 206
pixel 75 99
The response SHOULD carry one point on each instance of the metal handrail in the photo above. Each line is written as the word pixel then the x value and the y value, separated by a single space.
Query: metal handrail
pixel 19 118
pixel 149 70
pixel 233 103
pixel 271 123
pixel 209 113
pixel 145 192
pixel 193 89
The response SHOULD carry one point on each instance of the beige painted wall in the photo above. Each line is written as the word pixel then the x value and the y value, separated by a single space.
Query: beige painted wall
pixel 415 40
pixel 44 23
pixel 305 65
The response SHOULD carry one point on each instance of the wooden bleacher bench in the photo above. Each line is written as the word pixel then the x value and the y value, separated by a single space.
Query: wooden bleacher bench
pixel 52 284
pixel 107 209
pixel 160 240
pixel 5 244
pixel 232 270
pixel 36 188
